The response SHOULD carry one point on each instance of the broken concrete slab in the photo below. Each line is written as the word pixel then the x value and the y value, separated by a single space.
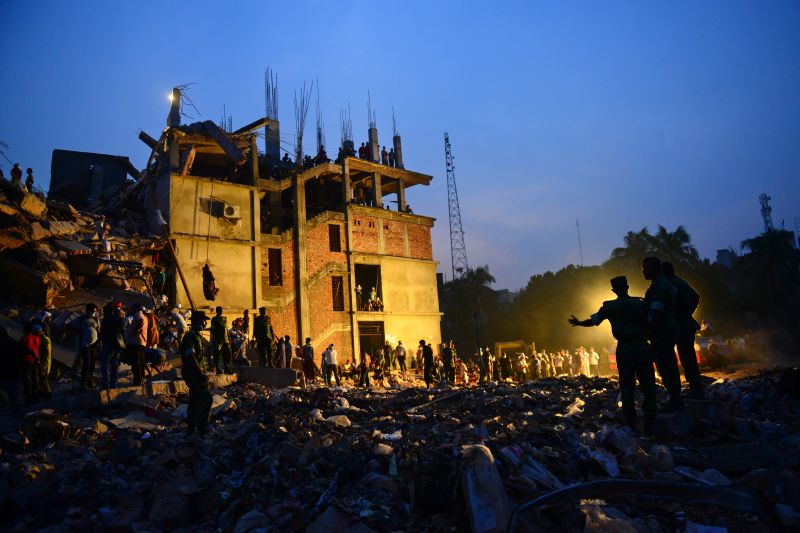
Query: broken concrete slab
pixel 270 377
pixel 135 420
pixel 32 205
pixel 743 457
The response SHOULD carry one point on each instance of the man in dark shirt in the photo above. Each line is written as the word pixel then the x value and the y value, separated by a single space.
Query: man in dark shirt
pixel 263 333
pixel 428 362
pixel 628 317
pixel 198 414
pixel 686 302
pixel 660 298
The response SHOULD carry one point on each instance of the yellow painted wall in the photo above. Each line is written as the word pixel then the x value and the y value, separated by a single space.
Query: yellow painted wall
pixel 409 286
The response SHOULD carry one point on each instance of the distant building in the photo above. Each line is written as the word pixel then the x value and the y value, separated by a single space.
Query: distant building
pixel 298 240
pixel 506 297
pixel 725 258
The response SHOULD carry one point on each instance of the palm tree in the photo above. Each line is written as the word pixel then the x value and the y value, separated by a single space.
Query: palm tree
pixel 464 298
pixel 638 245
pixel 675 246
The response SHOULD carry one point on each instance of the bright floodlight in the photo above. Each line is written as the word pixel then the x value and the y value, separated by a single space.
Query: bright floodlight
pixel 170 96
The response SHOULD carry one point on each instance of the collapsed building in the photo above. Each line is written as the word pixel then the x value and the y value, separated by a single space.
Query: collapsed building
pixel 297 239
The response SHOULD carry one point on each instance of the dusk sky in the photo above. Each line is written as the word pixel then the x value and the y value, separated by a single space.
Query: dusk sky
pixel 619 114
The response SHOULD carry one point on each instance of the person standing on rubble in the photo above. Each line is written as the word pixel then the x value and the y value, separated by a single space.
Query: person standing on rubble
pixel 594 362
pixel 687 300
pixel 220 343
pixel 16 176
pixel 428 362
pixel 330 356
pixel 198 414
pixel 264 335
pixel 31 344
pixel 401 356
pixel 180 324
pixel 661 298
pixel 29 181
pixel 485 371
pixel 628 316
pixel 45 359
pixel 309 368
pixel 363 369
pixel 448 360
pixel 112 340
pixel 135 341
pixel 89 344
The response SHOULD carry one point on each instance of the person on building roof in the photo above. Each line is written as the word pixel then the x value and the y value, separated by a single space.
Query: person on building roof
pixel 391 157
pixel 384 156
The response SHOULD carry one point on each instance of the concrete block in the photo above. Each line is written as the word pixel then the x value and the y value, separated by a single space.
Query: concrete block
pixel 270 377
pixel 713 410
pixel 669 426
pixel 222 380
pixel 742 457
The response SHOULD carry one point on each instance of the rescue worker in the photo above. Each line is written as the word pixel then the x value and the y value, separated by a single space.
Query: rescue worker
pixel 112 341
pixel 628 316
pixel 264 335
pixel 198 414
pixel 180 323
pixel 687 326
pixel 428 362
pixel 220 343
pixel 309 367
pixel 16 176
pixel 330 357
pixel 363 370
pixel 660 298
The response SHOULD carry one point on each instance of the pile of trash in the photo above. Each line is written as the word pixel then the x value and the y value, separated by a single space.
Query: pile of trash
pixel 48 248
pixel 325 459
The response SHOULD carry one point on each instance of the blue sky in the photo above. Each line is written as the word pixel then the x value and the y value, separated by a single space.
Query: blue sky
pixel 619 114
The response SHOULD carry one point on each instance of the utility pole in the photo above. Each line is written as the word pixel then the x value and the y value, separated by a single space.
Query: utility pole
pixel 580 248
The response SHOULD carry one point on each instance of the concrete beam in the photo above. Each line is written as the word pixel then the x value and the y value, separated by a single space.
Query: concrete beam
pixel 269 377
pixel 377 190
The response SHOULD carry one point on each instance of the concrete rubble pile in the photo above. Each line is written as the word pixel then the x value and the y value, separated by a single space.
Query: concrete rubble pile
pixel 320 459
pixel 48 248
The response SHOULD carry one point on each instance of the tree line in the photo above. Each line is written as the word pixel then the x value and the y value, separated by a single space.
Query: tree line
pixel 759 291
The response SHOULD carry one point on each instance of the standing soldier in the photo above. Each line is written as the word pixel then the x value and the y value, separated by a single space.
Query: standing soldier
pixel 264 334
pixel 198 415
pixel 427 357
pixel 29 180
pixel 660 298
pixel 628 317
pixel 220 344
pixel 687 326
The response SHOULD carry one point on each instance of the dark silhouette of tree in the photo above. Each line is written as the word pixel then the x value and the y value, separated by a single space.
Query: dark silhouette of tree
pixel 638 245
pixel 675 246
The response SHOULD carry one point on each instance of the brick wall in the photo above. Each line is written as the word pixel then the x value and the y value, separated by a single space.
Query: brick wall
pixel 365 234
pixel 419 241
pixel 323 317
pixel 284 316
pixel 393 241
pixel 318 250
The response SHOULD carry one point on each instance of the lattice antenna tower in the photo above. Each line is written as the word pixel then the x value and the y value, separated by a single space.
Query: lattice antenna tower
pixel 345 125
pixel 300 114
pixel 458 249
pixel 766 211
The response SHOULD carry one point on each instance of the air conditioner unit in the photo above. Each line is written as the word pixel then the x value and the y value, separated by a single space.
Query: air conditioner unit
pixel 232 212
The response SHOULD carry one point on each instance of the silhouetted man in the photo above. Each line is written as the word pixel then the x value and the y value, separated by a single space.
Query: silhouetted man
pixel 685 305
pixel 660 298
pixel 628 317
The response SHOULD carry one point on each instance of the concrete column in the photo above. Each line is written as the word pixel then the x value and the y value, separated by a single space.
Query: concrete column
pixel 275 210
pixel 376 186
pixel 272 134
pixel 301 267
pixel 398 152
pixel 346 183
pixel 174 154
pixel 401 196
pixel 254 158
pixel 374 148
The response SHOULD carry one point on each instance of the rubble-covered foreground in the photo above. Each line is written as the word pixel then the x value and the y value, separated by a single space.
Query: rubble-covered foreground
pixel 331 459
